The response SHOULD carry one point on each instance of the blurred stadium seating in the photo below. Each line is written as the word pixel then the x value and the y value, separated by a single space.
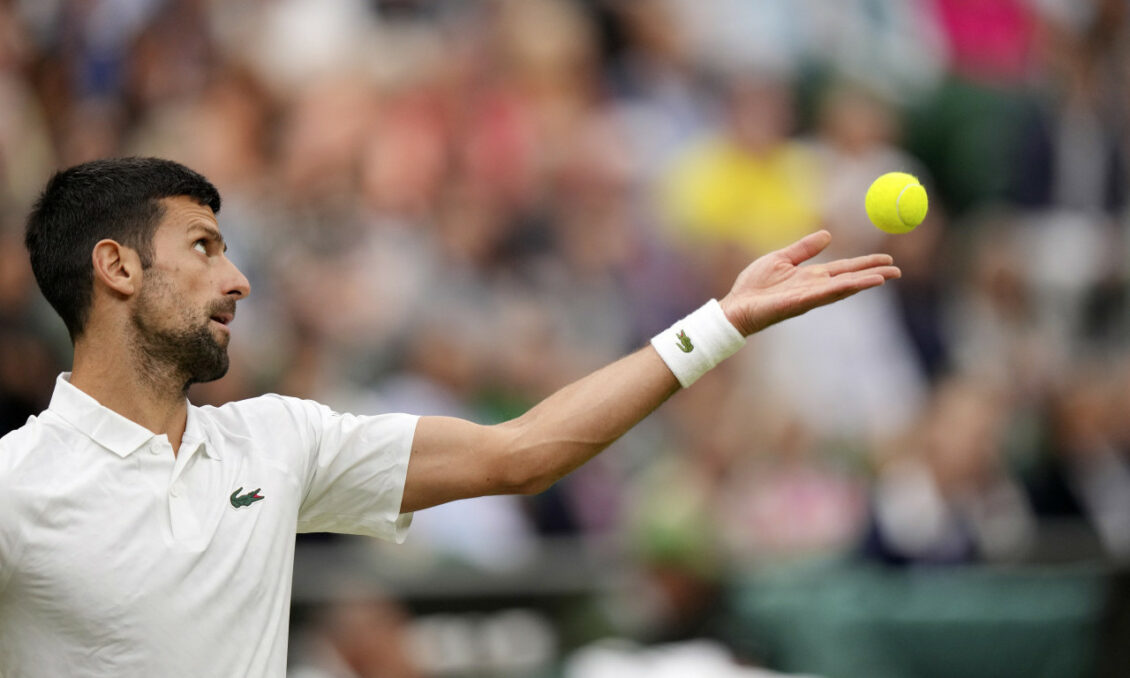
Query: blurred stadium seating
pixel 941 464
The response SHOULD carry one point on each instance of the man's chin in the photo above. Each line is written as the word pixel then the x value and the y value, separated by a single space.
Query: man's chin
pixel 217 372
pixel 211 361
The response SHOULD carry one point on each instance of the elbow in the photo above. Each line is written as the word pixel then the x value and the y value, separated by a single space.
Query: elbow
pixel 520 469
pixel 520 476
pixel 535 483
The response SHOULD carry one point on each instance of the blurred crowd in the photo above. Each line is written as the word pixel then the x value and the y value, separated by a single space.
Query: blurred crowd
pixel 455 207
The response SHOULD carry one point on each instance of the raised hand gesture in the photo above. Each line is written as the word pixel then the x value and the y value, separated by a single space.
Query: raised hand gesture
pixel 776 286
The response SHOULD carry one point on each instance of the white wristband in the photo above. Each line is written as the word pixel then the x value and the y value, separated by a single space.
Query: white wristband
pixel 698 342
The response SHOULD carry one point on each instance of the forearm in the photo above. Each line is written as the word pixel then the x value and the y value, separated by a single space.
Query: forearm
pixel 455 459
pixel 579 421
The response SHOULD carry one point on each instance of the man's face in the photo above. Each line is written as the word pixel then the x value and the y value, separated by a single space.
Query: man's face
pixel 187 297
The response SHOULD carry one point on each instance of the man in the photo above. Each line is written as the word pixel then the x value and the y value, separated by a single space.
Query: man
pixel 141 536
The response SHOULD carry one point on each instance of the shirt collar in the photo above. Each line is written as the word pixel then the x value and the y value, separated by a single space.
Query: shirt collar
pixel 110 429
pixel 195 434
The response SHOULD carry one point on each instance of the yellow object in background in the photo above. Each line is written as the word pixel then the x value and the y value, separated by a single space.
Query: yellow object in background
pixel 718 192
pixel 896 202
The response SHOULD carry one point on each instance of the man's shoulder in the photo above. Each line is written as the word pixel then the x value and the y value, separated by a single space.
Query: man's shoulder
pixel 268 403
pixel 269 412
pixel 19 435
pixel 33 455
pixel 17 445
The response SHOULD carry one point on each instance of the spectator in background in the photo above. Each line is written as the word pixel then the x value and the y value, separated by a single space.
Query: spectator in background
pixel 993 312
pixel 361 634
pixel 784 498
pixel 25 146
pixel 1085 481
pixel 895 48
pixel 26 358
pixel 1074 150
pixel 737 36
pixel 857 139
pixel 968 130
pixel 947 497
pixel 749 185
pixel 989 41
pixel 657 85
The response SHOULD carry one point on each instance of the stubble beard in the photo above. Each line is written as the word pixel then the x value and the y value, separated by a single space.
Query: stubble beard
pixel 187 356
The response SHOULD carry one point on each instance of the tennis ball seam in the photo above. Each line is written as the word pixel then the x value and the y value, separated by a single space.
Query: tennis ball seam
pixel 898 203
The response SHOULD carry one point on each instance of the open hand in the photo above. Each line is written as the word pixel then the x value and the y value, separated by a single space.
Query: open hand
pixel 776 286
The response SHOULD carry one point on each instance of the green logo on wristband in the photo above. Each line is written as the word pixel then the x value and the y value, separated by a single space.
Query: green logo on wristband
pixel 684 344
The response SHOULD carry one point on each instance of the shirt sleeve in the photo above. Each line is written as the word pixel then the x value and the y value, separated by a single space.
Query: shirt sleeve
pixel 355 474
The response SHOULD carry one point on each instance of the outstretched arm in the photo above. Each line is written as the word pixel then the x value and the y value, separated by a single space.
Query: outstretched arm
pixel 456 459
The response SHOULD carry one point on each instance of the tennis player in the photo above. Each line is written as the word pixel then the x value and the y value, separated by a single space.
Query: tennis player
pixel 143 536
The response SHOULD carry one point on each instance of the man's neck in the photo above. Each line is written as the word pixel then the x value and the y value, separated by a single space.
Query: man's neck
pixel 145 394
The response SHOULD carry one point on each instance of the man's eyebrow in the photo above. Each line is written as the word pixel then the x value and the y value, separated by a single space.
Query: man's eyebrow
pixel 212 232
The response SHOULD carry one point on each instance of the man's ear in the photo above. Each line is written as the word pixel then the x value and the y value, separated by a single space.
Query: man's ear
pixel 116 266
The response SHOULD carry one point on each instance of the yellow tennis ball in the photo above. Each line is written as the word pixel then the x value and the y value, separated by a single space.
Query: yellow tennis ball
pixel 896 202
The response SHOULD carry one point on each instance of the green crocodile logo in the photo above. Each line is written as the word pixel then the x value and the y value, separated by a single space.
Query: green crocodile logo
pixel 684 344
pixel 238 500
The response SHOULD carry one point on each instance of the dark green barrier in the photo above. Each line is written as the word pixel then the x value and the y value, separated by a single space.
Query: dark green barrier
pixel 866 622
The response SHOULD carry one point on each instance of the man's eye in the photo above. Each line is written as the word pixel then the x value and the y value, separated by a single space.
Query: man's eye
pixel 201 245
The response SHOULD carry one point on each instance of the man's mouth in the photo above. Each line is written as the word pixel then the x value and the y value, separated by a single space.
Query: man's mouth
pixel 223 318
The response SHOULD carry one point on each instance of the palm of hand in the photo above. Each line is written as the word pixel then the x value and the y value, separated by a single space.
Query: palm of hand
pixel 776 286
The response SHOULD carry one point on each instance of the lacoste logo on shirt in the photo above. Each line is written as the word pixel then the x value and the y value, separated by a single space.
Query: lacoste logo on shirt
pixel 238 500
pixel 684 344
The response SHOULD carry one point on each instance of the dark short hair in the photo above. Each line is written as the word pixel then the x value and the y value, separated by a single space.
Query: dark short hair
pixel 117 199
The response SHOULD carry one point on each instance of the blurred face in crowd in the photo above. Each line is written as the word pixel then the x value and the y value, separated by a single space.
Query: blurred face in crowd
pixel 760 113
pixel 964 434
pixel 372 637
pixel 187 297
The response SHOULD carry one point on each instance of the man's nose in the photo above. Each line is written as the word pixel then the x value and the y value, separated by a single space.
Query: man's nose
pixel 235 283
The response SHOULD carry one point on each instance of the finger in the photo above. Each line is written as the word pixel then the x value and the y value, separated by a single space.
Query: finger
pixel 830 290
pixel 807 247
pixel 838 289
pixel 857 263
pixel 845 287
pixel 887 272
pixel 834 289
pixel 861 280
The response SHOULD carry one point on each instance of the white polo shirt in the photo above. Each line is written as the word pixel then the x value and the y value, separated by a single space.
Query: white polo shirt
pixel 118 559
